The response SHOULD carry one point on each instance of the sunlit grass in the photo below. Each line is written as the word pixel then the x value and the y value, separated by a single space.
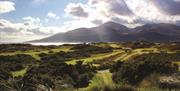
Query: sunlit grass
pixel 127 55
pixel 113 45
pixel 19 73
pixel 100 80
pixel 95 57
pixel 178 63
pixel 35 53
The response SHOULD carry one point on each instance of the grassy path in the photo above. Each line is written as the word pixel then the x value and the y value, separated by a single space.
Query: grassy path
pixel 99 81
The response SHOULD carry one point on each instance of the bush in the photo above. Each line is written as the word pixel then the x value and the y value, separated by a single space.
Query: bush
pixel 133 72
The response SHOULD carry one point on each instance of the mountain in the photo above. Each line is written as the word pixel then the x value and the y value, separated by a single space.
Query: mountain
pixel 114 32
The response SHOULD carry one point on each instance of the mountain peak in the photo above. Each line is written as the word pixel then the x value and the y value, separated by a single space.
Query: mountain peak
pixel 115 32
pixel 111 23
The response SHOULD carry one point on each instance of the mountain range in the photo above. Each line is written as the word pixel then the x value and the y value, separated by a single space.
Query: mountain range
pixel 115 32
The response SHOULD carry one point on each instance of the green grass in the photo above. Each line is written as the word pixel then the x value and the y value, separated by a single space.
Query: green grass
pixel 95 57
pixel 35 54
pixel 114 45
pixel 19 73
pixel 124 55
pixel 178 63
pixel 127 55
pixel 100 80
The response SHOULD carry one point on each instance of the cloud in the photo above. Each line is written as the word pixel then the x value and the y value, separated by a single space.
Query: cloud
pixel 100 11
pixel 52 15
pixel 171 7
pixel 30 27
pixel 76 10
pixel 6 6
pixel 97 22
pixel 112 6
pixel 149 12
pixel 95 12
pixel 131 13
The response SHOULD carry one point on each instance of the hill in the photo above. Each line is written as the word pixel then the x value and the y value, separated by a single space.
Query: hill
pixel 114 32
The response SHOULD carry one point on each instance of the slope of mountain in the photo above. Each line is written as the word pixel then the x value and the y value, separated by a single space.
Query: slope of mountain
pixel 114 32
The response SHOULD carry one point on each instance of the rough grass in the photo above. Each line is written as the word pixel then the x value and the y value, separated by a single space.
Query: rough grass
pixel 95 57
pixel 114 45
pixel 19 73
pixel 99 81
pixel 35 53
pixel 123 57
pixel 127 55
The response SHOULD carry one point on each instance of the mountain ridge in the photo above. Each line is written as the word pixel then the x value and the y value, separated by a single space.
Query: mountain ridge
pixel 115 32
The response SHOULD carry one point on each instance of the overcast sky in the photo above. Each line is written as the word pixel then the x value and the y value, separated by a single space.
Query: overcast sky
pixel 22 20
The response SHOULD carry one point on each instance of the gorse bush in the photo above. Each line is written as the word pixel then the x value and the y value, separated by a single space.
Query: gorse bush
pixel 133 72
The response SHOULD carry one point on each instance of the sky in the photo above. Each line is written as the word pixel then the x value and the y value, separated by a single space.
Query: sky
pixel 24 20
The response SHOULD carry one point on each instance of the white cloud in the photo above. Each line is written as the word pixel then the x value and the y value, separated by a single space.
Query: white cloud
pixel 29 29
pixel 148 11
pixel 95 12
pixel 52 15
pixel 6 6
pixel 76 10
pixel 127 12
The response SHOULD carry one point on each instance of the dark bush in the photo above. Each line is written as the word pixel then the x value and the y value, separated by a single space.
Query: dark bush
pixel 133 72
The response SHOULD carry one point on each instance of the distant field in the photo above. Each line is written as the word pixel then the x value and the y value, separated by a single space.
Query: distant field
pixel 35 53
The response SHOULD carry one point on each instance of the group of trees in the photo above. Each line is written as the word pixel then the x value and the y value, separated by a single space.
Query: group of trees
pixel 171 47
pixel 92 49
pixel 138 44
pixel 63 56
pixel 134 71
pixel 16 62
